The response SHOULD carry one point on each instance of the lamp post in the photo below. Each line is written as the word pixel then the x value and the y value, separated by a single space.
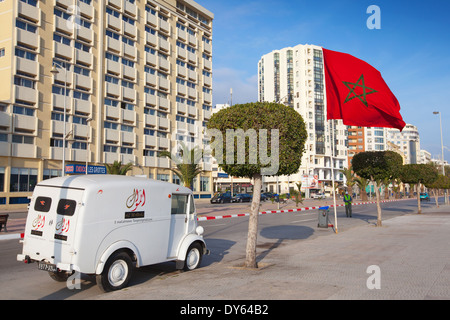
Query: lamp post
pixel 442 147
pixel 55 71
pixel 87 148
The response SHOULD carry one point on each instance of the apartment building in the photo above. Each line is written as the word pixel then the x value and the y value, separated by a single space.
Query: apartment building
pixel 295 76
pixel 408 141
pixel 129 77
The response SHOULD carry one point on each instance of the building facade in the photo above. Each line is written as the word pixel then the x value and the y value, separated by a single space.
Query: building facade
pixel 130 77
pixel 408 141
pixel 295 76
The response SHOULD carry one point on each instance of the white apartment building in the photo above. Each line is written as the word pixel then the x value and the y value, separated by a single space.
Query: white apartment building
pixel 408 141
pixel 132 78
pixel 295 76
pixel 375 138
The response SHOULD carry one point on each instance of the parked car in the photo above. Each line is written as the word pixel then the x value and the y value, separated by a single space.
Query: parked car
pixel 318 195
pixel 221 198
pixel 242 197
pixel 263 197
pixel 424 196
pixel 268 195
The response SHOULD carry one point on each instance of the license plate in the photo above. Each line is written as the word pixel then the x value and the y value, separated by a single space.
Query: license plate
pixel 47 267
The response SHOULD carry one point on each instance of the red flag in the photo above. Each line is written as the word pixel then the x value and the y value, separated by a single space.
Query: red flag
pixel 357 93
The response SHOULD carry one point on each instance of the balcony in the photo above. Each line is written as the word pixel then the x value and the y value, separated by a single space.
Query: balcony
pixel 150 140
pixel 129 115
pixel 129 72
pixel 163 143
pixel 81 130
pixel 150 161
pixel 129 93
pixel 164 64
pixel 164 103
pixel 164 123
pixel 86 10
pixel 112 135
pixel 150 99
pixel 64 26
pixel 181 34
pixel 192 40
pixel 152 39
pixel 27 66
pixel 150 120
pixel 150 79
pixel 24 150
pixel 182 53
pixel 58 101
pixel 28 11
pixel 164 26
pixel 113 89
pixel 164 45
pixel 113 44
pixel 25 122
pixel 192 111
pixel 113 66
pixel 85 34
pixel 26 94
pixel 129 29
pixel 192 93
pixel 152 19
pixel 192 75
pixel 128 137
pixel 130 8
pixel 112 112
pixel 163 83
pixel 129 50
pixel 28 38
pixel 207 64
pixel 150 58
pixel 83 81
pixel 181 89
pixel 84 57
pixel 207 81
pixel 182 71
pixel 181 108
pixel 114 23
pixel 82 106
pixel 192 57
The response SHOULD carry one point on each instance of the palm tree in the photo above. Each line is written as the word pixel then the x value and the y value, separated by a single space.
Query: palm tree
pixel 118 168
pixel 349 176
pixel 187 163
pixel 362 184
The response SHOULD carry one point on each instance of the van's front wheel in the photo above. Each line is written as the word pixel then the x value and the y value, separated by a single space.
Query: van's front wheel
pixel 193 257
pixel 117 272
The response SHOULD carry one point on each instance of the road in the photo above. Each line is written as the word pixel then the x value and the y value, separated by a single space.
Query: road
pixel 226 238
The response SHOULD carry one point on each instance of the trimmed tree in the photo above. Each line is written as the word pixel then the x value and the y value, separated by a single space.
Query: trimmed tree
pixel 266 133
pixel 418 174
pixel 350 178
pixel 377 166
pixel 441 183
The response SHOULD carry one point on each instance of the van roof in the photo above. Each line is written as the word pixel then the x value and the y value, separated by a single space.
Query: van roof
pixel 87 181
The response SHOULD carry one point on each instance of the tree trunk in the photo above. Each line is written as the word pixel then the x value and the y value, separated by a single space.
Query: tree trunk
pixel 377 192
pixel 419 211
pixel 250 259
pixel 436 195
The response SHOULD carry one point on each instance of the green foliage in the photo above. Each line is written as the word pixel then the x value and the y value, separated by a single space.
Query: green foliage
pixel 442 182
pixel 187 163
pixel 118 168
pixel 418 173
pixel 262 115
pixel 377 165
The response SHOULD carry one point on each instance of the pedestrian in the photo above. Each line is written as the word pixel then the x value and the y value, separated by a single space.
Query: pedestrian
pixel 348 204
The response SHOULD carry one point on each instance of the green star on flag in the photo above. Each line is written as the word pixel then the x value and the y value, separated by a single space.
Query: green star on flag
pixel 353 86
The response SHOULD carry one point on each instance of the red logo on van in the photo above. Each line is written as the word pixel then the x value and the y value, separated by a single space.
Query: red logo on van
pixel 136 199
pixel 39 222
pixel 63 226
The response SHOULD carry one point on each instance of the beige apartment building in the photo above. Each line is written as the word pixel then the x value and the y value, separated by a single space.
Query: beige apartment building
pixel 131 77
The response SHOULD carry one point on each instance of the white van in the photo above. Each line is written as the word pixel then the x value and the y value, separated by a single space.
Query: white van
pixel 108 224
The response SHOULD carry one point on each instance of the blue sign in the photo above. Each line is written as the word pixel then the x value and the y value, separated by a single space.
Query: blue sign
pixel 81 169
pixel 222 175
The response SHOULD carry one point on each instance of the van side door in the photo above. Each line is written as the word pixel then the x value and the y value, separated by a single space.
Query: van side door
pixel 178 220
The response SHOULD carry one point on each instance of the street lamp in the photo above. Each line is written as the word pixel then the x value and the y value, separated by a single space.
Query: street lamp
pixel 442 147
pixel 55 71
pixel 87 148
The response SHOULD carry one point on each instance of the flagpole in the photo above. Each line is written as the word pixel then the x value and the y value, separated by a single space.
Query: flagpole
pixel 332 177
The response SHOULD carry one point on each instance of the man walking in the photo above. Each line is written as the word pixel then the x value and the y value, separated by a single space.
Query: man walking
pixel 348 204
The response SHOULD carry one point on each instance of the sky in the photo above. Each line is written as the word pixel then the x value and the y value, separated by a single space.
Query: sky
pixel 411 50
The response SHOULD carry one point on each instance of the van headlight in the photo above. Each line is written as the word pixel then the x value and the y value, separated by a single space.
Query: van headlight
pixel 199 230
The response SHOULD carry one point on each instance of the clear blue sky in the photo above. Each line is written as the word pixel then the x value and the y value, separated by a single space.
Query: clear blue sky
pixel 411 50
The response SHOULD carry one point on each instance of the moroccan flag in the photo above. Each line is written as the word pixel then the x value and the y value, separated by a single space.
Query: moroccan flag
pixel 357 94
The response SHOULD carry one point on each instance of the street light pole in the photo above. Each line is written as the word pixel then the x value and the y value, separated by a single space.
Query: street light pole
pixel 87 149
pixel 442 149
pixel 55 72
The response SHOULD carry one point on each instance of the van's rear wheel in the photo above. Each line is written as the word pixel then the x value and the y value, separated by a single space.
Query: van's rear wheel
pixel 193 257
pixel 117 272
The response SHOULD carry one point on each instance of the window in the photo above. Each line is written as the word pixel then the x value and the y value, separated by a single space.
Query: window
pixel 2 52
pixel 24 82
pixel 52 173
pixel 25 26
pixel 42 204
pixel 204 183
pixel 23 179
pixel 66 207
pixel 162 177
pixel 23 110
pixel 22 139
pixel 179 203
pixel 2 179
